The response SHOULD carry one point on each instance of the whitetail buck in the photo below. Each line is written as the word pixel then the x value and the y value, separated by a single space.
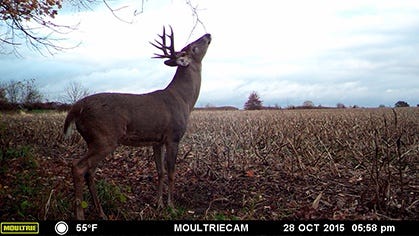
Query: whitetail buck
pixel 155 119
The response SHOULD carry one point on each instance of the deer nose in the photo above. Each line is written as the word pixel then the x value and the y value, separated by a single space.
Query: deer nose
pixel 208 36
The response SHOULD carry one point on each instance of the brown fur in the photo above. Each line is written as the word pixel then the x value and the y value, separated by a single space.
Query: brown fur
pixel 157 119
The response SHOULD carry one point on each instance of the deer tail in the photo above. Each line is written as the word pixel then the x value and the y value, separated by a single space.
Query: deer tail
pixel 70 122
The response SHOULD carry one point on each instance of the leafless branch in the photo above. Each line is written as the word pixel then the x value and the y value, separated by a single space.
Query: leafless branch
pixel 195 16
pixel 114 12
pixel 20 31
pixel 136 13
pixel 46 41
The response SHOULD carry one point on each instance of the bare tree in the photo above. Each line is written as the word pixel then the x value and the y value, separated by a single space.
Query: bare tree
pixel 74 92
pixel 30 92
pixel 3 93
pixel 13 91
pixel 24 92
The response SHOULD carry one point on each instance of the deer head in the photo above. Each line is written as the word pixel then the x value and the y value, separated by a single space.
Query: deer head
pixel 195 51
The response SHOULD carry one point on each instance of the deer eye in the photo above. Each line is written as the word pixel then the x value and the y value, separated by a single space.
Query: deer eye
pixel 195 50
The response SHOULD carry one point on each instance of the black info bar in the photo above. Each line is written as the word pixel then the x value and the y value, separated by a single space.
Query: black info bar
pixel 210 228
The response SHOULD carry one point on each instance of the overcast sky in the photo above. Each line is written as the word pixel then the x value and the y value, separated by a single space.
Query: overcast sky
pixel 351 52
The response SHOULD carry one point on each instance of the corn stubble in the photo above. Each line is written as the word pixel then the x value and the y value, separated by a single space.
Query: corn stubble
pixel 284 164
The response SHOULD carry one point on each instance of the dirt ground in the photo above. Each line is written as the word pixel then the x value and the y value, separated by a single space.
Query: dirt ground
pixel 232 165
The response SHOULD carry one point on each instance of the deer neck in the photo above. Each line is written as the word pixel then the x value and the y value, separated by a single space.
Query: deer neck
pixel 186 84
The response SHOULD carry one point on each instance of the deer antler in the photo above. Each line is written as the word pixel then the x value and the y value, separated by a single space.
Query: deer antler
pixel 162 45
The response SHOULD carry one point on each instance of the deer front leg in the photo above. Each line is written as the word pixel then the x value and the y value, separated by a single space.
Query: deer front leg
pixel 159 158
pixel 171 154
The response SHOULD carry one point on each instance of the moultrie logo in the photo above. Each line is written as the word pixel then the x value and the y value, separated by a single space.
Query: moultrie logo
pixel 19 228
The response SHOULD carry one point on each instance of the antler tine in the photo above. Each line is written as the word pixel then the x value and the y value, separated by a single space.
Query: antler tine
pixel 162 45
pixel 163 38
pixel 172 39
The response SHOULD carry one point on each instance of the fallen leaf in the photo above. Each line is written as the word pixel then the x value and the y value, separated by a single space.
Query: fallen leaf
pixel 250 173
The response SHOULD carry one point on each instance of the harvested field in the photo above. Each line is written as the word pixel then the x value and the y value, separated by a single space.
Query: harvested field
pixel 265 165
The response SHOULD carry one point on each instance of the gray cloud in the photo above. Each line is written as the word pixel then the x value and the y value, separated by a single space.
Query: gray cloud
pixel 362 53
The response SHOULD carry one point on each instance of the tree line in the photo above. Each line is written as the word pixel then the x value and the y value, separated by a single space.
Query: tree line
pixel 22 92
pixel 15 95
pixel 254 102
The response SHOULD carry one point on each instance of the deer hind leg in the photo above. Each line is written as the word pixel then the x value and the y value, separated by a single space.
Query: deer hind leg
pixel 159 159
pixel 171 154
pixel 79 170
pixel 92 188
pixel 83 170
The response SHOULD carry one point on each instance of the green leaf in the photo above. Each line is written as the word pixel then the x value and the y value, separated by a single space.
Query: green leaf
pixel 122 198
pixel 84 204
pixel 24 205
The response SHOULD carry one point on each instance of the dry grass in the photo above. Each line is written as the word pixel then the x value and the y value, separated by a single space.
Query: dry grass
pixel 287 164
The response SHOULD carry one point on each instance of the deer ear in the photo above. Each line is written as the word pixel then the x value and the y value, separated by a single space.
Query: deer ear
pixel 181 61
pixel 170 62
